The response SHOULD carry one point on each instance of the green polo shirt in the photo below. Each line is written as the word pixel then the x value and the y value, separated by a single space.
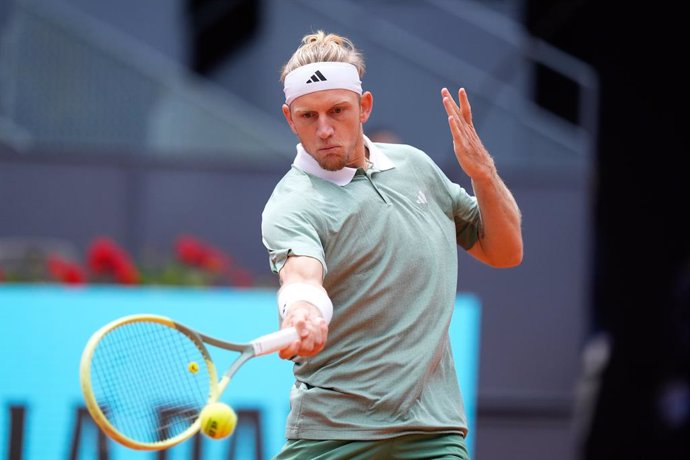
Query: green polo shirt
pixel 387 239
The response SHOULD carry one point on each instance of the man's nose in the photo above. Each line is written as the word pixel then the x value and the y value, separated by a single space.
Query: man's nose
pixel 324 130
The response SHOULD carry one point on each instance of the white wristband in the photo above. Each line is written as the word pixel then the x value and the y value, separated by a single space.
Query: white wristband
pixel 315 295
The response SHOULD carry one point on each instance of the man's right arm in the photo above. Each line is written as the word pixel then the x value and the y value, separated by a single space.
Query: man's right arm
pixel 304 305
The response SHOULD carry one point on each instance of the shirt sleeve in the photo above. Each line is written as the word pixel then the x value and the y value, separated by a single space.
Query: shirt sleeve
pixel 287 230
pixel 466 215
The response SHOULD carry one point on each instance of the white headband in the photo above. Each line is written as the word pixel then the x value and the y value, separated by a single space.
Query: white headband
pixel 319 76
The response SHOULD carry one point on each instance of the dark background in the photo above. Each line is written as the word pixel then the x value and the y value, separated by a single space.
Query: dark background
pixel 641 275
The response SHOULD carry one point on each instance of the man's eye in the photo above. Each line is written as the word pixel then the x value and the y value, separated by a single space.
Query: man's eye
pixel 308 115
pixel 338 110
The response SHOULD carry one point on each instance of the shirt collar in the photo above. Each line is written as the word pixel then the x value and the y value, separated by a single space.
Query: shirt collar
pixel 305 162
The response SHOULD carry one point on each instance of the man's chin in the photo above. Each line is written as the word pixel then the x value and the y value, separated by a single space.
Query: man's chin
pixel 332 165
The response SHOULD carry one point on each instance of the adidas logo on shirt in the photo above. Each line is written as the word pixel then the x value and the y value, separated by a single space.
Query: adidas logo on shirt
pixel 318 76
pixel 421 198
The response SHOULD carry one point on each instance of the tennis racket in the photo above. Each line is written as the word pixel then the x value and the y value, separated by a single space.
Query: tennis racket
pixel 146 378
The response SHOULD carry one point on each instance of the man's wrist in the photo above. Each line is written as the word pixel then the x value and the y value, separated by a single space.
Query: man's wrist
pixel 300 293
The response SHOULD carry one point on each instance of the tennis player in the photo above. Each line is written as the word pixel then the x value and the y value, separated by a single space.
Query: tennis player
pixel 364 239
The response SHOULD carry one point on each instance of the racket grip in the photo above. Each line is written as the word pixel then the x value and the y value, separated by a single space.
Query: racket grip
pixel 274 341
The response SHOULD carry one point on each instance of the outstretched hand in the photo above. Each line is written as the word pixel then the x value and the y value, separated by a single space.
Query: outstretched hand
pixel 473 158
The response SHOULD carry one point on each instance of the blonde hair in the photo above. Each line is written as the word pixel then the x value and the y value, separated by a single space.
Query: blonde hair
pixel 323 47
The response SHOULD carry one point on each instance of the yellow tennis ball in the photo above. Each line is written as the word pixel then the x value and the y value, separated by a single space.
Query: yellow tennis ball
pixel 193 367
pixel 218 420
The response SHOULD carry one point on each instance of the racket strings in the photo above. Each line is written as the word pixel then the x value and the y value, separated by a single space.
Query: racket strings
pixel 150 381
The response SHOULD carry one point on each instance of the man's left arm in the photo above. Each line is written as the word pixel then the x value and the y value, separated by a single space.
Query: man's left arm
pixel 500 234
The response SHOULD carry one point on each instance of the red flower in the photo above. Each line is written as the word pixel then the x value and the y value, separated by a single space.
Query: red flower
pixel 101 255
pixel 126 273
pixel 240 277
pixel 189 250
pixel 198 254
pixel 215 261
pixel 64 271
pixel 193 252
pixel 105 257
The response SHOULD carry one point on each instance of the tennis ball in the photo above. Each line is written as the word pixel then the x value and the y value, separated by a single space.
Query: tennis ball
pixel 218 420
pixel 193 367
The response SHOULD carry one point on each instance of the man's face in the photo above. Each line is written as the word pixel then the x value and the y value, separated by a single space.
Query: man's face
pixel 329 126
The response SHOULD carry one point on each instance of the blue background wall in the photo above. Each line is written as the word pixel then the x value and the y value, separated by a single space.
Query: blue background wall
pixel 44 330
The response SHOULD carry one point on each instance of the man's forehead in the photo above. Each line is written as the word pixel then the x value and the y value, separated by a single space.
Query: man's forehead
pixel 325 98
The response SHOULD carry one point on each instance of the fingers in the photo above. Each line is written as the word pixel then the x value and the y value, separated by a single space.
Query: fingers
pixel 311 342
pixel 312 334
pixel 458 127
pixel 452 109
pixel 290 351
pixel 455 132
pixel 465 105
pixel 311 328
pixel 460 110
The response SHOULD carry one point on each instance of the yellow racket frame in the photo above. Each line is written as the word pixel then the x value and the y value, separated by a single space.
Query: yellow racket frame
pixel 214 391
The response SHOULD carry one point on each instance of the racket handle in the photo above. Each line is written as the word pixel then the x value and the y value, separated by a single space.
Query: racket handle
pixel 274 341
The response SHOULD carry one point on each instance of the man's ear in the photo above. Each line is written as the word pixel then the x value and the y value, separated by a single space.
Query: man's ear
pixel 366 104
pixel 288 117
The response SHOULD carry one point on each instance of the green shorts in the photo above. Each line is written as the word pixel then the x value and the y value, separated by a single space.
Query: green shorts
pixel 409 447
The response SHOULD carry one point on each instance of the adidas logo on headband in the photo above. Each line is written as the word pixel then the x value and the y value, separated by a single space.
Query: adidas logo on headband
pixel 318 76
pixel 341 75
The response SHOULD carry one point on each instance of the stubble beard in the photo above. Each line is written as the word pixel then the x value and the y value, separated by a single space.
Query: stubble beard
pixel 332 163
